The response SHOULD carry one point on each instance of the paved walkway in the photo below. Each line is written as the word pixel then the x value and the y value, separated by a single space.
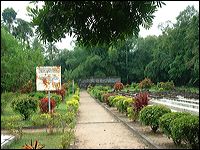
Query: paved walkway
pixel 96 128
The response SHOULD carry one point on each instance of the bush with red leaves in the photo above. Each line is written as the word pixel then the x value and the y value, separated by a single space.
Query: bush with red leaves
pixel 61 93
pixel 106 96
pixel 146 83
pixel 141 100
pixel 44 105
pixel 118 86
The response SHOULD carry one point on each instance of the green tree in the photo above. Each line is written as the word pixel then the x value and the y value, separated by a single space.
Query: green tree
pixel 23 31
pixel 92 22
pixel 9 15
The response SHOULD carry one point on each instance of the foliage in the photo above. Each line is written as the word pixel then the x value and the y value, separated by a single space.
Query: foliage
pixel 57 98
pixel 36 145
pixel 165 120
pixel 6 98
pixel 106 96
pixel 166 85
pixel 25 105
pixel 61 93
pixel 146 83
pixel 27 88
pixel 23 31
pixel 76 97
pixel 17 63
pixel 150 115
pixel 72 105
pixel 49 120
pixel 110 101
pixel 9 15
pixel 67 138
pixel 118 86
pixel 186 128
pixel 88 24
pixel 140 100
pixel 38 95
pixel 13 124
pixel 44 105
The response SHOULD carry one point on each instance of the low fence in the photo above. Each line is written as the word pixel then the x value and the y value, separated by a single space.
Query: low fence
pixel 110 81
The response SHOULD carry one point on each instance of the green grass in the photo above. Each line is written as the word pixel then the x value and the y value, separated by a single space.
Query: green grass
pixel 52 141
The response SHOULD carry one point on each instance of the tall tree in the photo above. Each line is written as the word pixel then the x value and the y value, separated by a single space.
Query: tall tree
pixel 23 31
pixel 9 15
pixel 92 22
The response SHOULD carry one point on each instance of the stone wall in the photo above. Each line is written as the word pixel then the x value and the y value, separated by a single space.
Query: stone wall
pixel 110 81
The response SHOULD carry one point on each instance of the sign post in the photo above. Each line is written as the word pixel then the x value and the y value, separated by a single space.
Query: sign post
pixel 48 78
pixel 49 101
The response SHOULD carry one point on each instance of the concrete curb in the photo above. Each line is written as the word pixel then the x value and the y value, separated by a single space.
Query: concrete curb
pixel 141 136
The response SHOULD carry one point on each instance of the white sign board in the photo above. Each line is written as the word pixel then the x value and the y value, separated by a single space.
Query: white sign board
pixel 48 78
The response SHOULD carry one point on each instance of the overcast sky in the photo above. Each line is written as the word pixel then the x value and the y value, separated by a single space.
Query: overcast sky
pixel 168 12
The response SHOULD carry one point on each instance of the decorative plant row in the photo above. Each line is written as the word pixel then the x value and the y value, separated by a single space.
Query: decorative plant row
pixel 181 127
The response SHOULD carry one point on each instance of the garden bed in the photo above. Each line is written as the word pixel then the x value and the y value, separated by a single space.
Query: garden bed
pixel 158 139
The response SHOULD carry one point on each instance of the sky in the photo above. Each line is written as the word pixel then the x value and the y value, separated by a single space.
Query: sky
pixel 168 12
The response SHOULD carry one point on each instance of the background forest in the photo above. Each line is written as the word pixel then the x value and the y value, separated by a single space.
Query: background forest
pixel 172 56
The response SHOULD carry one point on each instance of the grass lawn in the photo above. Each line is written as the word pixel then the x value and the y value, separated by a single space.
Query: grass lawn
pixel 52 141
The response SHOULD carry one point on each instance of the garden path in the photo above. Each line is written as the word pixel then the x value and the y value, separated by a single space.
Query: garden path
pixel 96 128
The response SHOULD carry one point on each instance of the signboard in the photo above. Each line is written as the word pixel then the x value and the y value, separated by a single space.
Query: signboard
pixel 48 78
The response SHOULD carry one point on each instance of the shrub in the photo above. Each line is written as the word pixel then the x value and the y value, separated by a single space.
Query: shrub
pixel 106 96
pixel 127 103
pixel 50 121
pixel 166 85
pixel 72 105
pixel 27 88
pixel 110 100
pixel 68 120
pixel 25 105
pixel 134 84
pixel 165 120
pixel 130 113
pixel 186 128
pixel 5 99
pixel 116 99
pixel 57 98
pixel 61 93
pixel 38 95
pixel 118 86
pixel 67 138
pixel 44 105
pixel 141 100
pixel 146 83
pixel 150 115
pixel 76 97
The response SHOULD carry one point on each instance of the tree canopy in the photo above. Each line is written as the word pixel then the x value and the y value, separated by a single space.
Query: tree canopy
pixel 92 22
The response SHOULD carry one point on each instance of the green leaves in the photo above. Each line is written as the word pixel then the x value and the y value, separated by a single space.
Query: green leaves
pixel 93 22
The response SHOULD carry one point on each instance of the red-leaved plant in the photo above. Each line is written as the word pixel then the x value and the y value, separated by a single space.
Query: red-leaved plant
pixel 118 86
pixel 141 100
pixel 44 105
pixel 61 92
pixel 106 96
